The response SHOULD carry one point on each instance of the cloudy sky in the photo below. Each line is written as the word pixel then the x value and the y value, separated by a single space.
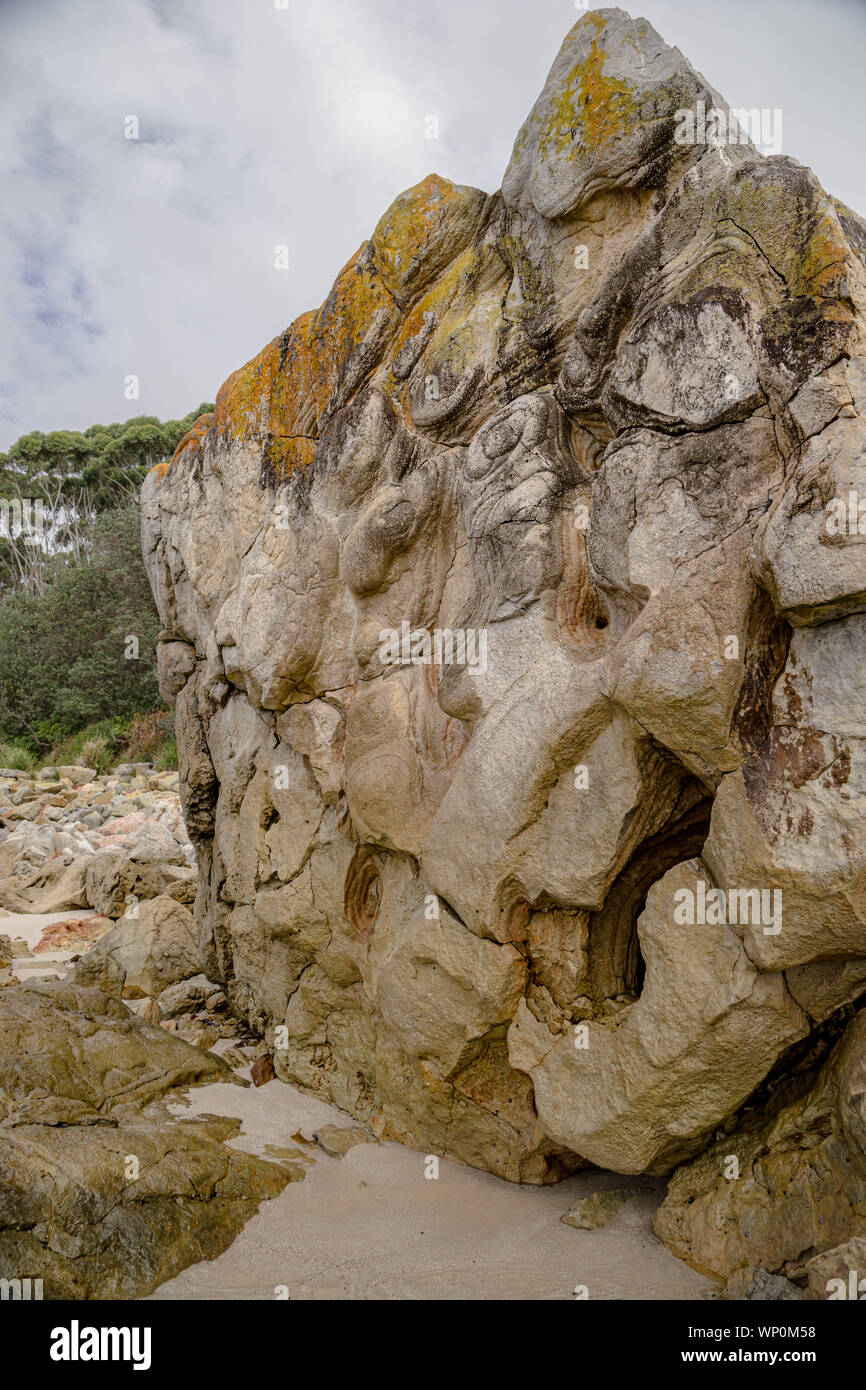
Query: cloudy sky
pixel 295 122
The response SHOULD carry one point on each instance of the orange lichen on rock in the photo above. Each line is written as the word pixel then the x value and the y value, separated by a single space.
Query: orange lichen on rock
pixel 285 390
pixel 358 296
pixel 189 447
pixel 284 395
pixel 287 456
pixel 422 231
pixel 593 109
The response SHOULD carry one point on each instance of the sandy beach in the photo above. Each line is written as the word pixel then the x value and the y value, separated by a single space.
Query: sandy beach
pixel 370 1225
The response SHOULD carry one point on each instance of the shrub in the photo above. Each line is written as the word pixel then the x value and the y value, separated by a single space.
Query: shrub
pixel 112 732
pixel 15 755
pixel 148 734
pixel 96 752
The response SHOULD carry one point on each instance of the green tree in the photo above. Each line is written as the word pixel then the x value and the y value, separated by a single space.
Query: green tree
pixel 85 648
pixel 77 477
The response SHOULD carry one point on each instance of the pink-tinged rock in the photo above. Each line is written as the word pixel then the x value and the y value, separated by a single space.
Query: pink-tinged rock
pixel 121 825
pixel 74 932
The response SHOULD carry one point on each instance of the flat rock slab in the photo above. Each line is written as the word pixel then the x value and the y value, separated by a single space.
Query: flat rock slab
pixel 595 1211
pixel 103 1193
pixel 337 1141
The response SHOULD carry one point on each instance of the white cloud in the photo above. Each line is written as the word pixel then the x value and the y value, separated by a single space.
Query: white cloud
pixel 262 126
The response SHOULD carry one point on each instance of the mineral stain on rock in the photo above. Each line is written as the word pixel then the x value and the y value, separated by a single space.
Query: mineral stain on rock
pixel 596 417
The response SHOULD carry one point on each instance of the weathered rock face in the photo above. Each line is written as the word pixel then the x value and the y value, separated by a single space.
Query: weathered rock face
pixel 504 618
pixel 791 1182
pixel 103 1194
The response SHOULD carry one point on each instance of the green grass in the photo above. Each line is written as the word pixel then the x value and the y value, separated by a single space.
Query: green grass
pixel 16 756
pixel 104 735
pixel 167 761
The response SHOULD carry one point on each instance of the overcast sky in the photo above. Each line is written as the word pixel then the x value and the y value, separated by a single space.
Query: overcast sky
pixel 262 126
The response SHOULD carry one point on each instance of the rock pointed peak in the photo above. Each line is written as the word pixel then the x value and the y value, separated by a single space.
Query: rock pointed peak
pixel 607 117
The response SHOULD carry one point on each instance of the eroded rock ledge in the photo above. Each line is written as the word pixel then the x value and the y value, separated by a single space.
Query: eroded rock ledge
pixel 596 423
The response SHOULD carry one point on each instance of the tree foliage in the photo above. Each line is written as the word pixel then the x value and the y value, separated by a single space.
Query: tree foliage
pixel 65 654
pixel 70 478
pixel 78 626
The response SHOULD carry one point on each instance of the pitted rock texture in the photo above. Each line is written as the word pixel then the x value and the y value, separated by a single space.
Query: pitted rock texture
pixel 570 446
pixel 788 1187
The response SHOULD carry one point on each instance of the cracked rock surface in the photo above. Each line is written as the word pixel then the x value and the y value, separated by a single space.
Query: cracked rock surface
pixel 502 618
pixel 102 1193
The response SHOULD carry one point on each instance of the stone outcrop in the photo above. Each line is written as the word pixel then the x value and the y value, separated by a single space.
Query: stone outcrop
pixel 518 655
pixel 102 1193
pixel 790 1181
pixel 72 839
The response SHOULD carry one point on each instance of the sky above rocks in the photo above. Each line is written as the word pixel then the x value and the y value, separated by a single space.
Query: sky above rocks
pixel 262 127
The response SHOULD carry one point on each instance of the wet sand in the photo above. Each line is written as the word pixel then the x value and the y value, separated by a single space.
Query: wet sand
pixel 372 1226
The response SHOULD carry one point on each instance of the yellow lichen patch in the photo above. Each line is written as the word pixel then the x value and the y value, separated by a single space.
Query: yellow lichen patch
pixel 358 295
pixel 438 298
pixel 287 456
pixel 272 393
pixel 822 262
pixel 468 295
pixel 282 395
pixel 285 389
pixel 188 448
pixel 423 230
pixel 480 278
pixel 242 407
pixel 597 108
pixel 194 438
pixel 294 400
pixel 795 229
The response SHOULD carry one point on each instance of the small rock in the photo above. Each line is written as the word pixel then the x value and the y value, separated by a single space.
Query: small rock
pixel 262 1070
pixel 146 1009
pixel 597 1210
pixel 835 1274
pixel 235 1057
pixel 773 1288
pixel 185 996
pixel 337 1141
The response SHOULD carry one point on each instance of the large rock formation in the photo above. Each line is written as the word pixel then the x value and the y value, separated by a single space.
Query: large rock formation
pixel 518 647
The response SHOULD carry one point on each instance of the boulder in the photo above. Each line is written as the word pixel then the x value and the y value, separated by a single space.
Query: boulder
pixel 100 1196
pixel 149 952
pixel 506 612
pixel 786 1185
pixel 118 877
pixel 58 885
